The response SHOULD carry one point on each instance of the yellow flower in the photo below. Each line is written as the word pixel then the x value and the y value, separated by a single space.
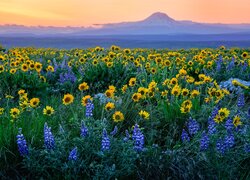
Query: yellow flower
pixel 185 92
pixel 85 99
pixel 237 121
pixel 176 90
pixel 136 97
pixel 48 110
pixel 34 102
pixel 21 92
pixel 112 88
pixel 124 88
pixel 195 93
pixel 244 55
pixel 8 96
pixel 24 104
pixel 50 68
pixel 1 111
pixel 14 113
pixel 218 119
pixel 12 71
pixel 25 67
pixel 1 68
pixel 185 109
pixel 144 114
pixel 173 81
pixel 109 93
pixel 83 86
pixel 38 66
pixel 182 72
pixel 132 82
pixel 68 99
pixel 223 112
pixel 109 106
pixel 118 116
pixel 143 91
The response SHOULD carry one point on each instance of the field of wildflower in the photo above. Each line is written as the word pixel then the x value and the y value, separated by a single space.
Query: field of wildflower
pixel 124 113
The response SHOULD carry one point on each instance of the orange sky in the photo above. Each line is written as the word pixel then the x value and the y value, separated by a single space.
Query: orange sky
pixel 87 12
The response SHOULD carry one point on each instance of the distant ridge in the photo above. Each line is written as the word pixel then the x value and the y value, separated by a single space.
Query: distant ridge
pixel 155 24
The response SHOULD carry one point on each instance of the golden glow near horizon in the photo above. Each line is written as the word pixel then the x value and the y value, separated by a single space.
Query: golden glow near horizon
pixel 88 12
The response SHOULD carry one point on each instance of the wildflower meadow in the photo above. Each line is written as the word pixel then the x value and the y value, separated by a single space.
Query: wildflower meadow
pixel 119 113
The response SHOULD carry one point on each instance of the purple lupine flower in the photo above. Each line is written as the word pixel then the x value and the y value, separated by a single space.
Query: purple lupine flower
pixel 219 63
pixel 127 136
pixel 247 147
pixel 67 77
pixel 241 100
pixel 229 124
pixel 231 64
pixel 49 140
pixel 114 131
pixel 22 144
pixel 73 155
pixel 215 112
pixel 211 126
pixel 105 141
pixel 204 141
pixel 193 126
pixel 220 146
pixel 89 109
pixel 229 141
pixel 138 138
pixel 84 130
pixel 184 136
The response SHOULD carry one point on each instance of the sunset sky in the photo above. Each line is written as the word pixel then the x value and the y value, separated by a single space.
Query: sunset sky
pixel 88 12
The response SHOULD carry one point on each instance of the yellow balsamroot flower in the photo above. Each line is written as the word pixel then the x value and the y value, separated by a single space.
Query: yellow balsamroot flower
pixel 182 72
pixel 244 55
pixel 223 113
pixel 109 93
pixel 34 102
pixel 14 113
pixel 132 82
pixel 173 81
pixel 176 90
pixel 144 114
pixel 38 66
pixel 118 116
pixel 7 96
pixel 50 68
pixel 113 88
pixel 32 66
pixel 85 99
pixel 136 97
pixel 24 104
pixel 185 109
pixel 194 93
pixel 95 62
pixel 237 121
pixel 21 92
pixel 185 92
pixel 24 67
pixel 143 91
pixel 109 106
pixel 124 88
pixel 164 93
pixel 83 86
pixel 68 99
pixel 1 68
pixel 1 111
pixel 48 110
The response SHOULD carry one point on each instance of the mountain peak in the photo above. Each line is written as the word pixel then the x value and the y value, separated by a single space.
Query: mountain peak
pixel 159 17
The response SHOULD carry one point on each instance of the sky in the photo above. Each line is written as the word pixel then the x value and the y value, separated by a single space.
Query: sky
pixel 88 12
